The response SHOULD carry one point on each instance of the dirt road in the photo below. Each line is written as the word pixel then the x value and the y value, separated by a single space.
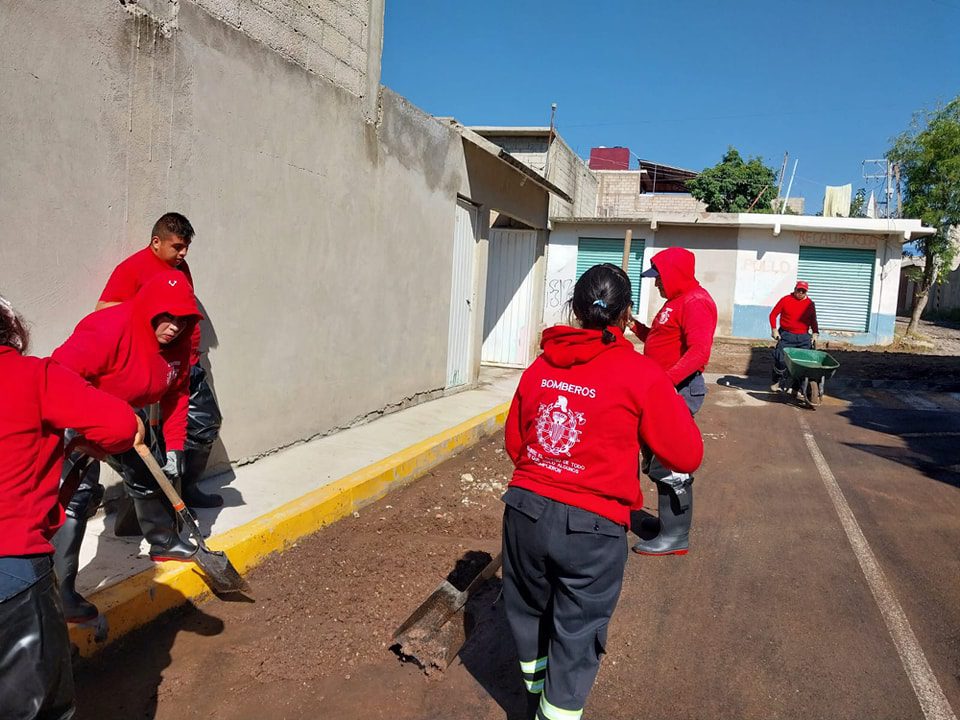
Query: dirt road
pixel 780 611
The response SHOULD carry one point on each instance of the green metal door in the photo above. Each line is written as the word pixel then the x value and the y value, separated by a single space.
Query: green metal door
pixel 594 251
pixel 841 284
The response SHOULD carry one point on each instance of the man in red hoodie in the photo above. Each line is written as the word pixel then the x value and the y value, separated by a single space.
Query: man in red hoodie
pixel 798 319
pixel 170 241
pixel 679 341
pixel 139 352
pixel 40 400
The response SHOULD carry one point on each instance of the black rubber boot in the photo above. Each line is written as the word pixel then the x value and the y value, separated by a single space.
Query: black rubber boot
pixel 676 513
pixel 126 523
pixel 66 562
pixel 159 526
pixel 196 463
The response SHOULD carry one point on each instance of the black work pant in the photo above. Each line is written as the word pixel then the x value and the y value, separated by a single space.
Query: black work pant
pixel 562 574
pixel 36 680
pixel 788 340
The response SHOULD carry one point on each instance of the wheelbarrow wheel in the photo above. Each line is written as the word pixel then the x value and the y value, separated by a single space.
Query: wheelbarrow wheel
pixel 814 396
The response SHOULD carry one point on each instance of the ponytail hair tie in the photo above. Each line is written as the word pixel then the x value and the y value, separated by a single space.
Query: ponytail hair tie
pixel 601 303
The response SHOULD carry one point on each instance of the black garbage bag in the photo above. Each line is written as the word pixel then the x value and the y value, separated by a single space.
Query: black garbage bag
pixel 203 415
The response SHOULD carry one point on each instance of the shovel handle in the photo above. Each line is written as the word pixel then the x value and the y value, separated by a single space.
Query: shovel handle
pixel 151 462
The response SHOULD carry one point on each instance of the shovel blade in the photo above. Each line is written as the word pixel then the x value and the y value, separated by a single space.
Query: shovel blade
pixel 434 632
pixel 220 572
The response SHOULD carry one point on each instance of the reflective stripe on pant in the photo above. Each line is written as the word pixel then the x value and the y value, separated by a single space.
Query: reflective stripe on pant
pixel 36 680
pixel 562 574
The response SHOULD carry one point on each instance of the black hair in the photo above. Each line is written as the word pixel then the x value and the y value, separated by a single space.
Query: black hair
pixel 173 223
pixel 600 296
pixel 13 330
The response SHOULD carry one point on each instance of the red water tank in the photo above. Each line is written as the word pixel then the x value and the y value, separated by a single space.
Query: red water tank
pixel 609 158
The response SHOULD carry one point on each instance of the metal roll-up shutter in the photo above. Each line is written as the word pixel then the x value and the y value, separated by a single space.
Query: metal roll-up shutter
pixel 841 285
pixel 594 251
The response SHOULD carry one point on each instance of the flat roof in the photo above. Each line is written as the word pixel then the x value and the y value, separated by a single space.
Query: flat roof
pixel 527 131
pixel 809 223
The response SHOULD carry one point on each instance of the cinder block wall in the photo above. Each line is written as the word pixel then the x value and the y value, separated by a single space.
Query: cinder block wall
pixel 618 195
pixel 340 40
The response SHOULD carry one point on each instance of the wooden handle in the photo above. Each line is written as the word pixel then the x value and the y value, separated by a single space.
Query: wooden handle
pixel 151 462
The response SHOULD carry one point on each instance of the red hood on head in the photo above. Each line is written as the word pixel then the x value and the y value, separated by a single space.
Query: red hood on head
pixel 166 292
pixel 676 266
pixel 564 346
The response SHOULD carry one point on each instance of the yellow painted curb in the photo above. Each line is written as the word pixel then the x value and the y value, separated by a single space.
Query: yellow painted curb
pixel 139 599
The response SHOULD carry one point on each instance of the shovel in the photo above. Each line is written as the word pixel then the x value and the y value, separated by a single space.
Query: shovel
pixel 223 576
pixel 434 633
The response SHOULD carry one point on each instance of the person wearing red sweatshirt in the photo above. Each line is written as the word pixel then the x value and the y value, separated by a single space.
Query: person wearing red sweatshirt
pixel 798 319
pixel 574 431
pixel 679 340
pixel 138 351
pixel 40 399
pixel 170 241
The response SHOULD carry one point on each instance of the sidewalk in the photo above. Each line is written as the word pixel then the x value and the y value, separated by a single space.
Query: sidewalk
pixel 254 492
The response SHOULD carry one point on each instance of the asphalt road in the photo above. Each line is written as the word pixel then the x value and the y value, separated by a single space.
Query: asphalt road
pixel 823 582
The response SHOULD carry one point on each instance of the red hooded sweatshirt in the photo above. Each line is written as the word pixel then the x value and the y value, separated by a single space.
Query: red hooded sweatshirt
pixel 40 399
pixel 681 336
pixel 116 349
pixel 796 316
pixel 133 273
pixel 579 415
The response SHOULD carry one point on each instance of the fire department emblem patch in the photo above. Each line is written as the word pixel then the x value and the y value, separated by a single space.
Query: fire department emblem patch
pixel 557 426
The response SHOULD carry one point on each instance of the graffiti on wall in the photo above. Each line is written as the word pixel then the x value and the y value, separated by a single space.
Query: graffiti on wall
pixel 848 240
pixel 558 292
pixel 776 267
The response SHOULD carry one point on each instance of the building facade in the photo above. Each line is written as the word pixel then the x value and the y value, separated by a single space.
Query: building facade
pixel 747 263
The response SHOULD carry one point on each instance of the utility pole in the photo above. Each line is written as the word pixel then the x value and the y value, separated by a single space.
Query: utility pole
pixel 783 170
pixel 881 169
pixel 546 162
pixel 896 175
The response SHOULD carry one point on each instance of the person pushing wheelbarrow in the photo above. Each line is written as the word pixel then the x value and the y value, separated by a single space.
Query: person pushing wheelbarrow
pixel 798 329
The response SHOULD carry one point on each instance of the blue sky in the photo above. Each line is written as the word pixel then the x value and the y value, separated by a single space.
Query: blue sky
pixel 677 81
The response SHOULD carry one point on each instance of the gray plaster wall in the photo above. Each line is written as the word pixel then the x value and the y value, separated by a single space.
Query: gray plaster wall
pixel 324 242
pixel 715 250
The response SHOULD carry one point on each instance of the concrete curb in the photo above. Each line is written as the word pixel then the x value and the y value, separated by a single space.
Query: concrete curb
pixel 139 599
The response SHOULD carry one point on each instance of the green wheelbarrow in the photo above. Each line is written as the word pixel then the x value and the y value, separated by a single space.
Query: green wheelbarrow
pixel 810 370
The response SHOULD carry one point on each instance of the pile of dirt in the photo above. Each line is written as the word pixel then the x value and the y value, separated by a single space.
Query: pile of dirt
pixel 322 613
pixel 893 363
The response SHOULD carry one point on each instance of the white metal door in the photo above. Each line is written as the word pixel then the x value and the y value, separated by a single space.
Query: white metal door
pixel 460 344
pixel 508 322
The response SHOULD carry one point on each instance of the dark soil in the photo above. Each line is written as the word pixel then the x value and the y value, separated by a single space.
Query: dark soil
pixel 314 640
pixel 857 364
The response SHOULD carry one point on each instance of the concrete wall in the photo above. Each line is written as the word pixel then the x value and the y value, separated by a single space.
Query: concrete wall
pixel 715 250
pixel 618 195
pixel 324 242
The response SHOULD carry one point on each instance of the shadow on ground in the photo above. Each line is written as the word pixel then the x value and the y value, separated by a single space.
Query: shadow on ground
pixel 107 690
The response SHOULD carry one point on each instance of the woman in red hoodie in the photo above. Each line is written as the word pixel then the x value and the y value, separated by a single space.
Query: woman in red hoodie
pixel 40 399
pixel 574 431
pixel 138 351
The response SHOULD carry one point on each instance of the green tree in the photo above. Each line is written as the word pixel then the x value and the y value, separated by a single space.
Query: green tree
pixel 735 186
pixel 858 205
pixel 929 158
